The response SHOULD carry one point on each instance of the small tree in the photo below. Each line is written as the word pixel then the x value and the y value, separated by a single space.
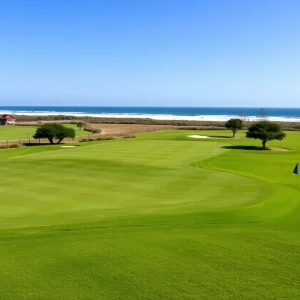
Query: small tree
pixel 265 131
pixel 262 114
pixel 53 131
pixel 234 125
pixel 80 125
pixel 243 117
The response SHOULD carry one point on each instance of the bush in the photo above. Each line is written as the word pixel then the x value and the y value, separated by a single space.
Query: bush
pixel 13 146
pixel 129 137
pixel 9 146
pixel 107 138
pixel 88 127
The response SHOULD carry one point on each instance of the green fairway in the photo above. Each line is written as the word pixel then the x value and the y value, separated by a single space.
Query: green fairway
pixel 162 216
pixel 26 132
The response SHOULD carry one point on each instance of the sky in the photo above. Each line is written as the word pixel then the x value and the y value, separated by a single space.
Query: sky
pixel 150 52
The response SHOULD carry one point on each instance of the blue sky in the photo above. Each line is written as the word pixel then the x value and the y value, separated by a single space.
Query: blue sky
pixel 150 52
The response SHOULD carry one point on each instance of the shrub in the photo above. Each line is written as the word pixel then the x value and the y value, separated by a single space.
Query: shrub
pixel 13 146
pixel 107 138
pixel 129 137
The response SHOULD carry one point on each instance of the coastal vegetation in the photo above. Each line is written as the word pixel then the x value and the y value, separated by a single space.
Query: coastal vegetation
pixel 162 216
pixel 218 125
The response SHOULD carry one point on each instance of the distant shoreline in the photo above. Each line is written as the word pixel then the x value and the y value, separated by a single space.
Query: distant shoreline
pixel 202 118
pixel 195 114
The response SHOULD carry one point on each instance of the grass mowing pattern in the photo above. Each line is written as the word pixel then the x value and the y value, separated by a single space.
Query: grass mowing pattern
pixel 138 177
pixel 135 219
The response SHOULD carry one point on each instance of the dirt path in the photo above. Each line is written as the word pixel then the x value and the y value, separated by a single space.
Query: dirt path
pixel 121 130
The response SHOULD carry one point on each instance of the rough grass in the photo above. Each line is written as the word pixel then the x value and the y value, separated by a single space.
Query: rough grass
pixel 145 121
pixel 162 216
pixel 26 132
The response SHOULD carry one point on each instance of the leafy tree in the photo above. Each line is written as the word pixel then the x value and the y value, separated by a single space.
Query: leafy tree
pixel 234 125
pixel 52 131
pixel 80 125
pixel 45 131
pixel 265 131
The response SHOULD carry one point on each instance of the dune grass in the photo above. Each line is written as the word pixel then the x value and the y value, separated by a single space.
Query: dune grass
pixel 161 216
pixel 27 132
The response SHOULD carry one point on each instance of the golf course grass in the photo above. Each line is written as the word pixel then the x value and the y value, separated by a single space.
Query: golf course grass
pixel 27 132
pixel 162 216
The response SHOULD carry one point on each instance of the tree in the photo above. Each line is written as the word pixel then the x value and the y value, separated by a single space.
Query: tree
pixel 45 132
pixel 262 114
pixel 243 117
pixel 52 131
pixel 265 131
pixel 234 125
pixel 80 125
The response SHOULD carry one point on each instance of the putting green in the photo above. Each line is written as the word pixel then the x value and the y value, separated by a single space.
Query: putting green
pixel 162 216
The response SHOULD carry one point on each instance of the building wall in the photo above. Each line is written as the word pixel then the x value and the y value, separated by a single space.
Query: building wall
pixel 7 122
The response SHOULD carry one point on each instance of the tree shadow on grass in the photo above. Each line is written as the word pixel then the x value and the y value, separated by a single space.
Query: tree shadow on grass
pixel 45 144
pixel 33 144
pixel 220 136
pixel 241 147
pixel 38 144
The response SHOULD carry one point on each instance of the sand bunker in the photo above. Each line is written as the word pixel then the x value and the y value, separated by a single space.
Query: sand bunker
pixel 279 149
pixel 68 146
pixel 201 137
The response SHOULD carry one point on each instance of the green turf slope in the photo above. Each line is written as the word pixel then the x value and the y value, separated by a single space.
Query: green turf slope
pixel 158 217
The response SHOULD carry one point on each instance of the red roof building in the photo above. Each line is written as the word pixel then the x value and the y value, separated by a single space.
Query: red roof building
pixel 7 120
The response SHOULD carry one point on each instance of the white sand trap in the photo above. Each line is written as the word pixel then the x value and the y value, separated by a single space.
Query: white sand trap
pixel 198 136
pixel 195 136
pixel 68 146
pixel 279 149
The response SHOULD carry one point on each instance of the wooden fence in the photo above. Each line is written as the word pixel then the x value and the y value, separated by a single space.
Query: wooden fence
pixel 32 141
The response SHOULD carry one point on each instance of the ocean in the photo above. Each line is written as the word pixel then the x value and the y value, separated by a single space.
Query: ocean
pixel 160 113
